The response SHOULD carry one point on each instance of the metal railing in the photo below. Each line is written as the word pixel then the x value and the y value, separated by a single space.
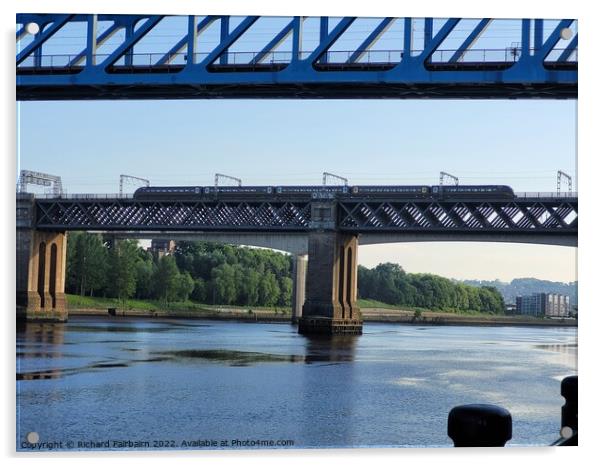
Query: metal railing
pixel 365 57
pixel 518 195
pixel 84 196
pixel 546 195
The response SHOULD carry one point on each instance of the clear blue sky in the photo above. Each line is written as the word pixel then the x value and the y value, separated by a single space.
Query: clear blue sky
pixel 520 143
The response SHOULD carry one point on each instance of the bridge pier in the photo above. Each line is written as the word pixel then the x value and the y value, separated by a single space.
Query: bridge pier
pixel 299 278
pixel 41 261
pixel 330 306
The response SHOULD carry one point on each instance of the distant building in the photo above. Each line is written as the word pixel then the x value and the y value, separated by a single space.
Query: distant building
pixel 162 247
pixel 510 308
pixel 543 304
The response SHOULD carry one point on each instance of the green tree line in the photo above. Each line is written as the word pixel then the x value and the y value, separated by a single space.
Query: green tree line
pixel 199 271
pixel 390 284
pixel 214 273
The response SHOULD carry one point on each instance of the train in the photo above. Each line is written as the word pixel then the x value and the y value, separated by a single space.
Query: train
pixel 325 192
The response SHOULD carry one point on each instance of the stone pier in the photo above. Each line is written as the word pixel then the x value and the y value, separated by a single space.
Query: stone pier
pixel 41 261
pixel 299 278
pixel 330 305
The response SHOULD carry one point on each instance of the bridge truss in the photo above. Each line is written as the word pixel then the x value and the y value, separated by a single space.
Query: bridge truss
pixel 113 57
pixel 536 215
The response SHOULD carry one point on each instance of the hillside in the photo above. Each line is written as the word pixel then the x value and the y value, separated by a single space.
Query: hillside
pixel 528 286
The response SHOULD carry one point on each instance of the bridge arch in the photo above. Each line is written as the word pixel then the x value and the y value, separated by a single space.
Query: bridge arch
pixel 544 238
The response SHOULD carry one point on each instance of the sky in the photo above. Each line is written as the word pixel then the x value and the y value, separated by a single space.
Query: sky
pixel 275 142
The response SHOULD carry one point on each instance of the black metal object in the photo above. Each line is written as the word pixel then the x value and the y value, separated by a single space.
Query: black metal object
pixel 479 425
pixel 493 215
pixel 175 215
pixel 555 216
pixel 568 429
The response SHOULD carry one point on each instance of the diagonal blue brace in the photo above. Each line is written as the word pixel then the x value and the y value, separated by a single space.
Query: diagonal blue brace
pixel 470 40
pixel 21 32
pixel 549 44
pixel 143 30
pixel 42 37
pixel 275 42
pixel 229 40
pixel 106 35
pixel 445 30
pixel 370 40
pixel 330 39
pixel 564 56
pixel 168 57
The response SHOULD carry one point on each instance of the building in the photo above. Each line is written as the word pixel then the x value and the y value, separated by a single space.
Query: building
pixel 543 305
pixel 510 308
pixel 162 247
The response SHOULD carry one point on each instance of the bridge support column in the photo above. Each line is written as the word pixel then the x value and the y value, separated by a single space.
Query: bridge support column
pixel 330 306
pixel 299 277
pixel 41 260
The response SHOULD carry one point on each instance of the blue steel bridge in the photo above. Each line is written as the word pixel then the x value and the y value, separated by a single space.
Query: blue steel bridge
pixel 76 56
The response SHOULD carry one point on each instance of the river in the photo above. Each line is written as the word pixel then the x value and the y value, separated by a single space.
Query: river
pixel 125 383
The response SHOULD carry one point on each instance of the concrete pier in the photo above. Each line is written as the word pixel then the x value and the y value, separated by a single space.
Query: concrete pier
pixel 299 279
pixel 330 306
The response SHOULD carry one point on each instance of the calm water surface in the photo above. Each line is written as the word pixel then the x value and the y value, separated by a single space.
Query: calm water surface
pixel 167 381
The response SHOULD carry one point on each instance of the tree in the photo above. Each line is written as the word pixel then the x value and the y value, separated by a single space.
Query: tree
pixel 165 279
pixel 249 287
pixel 122 272
pixel 224 286
pixel 184 286
pixel 286 292
pixel 199 291
pixel 144 276
pixel 86 263
pixel 269 291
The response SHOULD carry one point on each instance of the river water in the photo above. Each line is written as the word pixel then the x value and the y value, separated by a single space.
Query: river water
pixel 131 383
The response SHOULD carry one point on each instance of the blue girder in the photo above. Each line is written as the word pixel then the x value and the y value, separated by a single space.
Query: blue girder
pixel 537 65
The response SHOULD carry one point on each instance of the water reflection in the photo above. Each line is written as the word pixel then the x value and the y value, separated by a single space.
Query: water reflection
pixel 563 353
pixel 329 400
pixel 39 333
pixel 334 349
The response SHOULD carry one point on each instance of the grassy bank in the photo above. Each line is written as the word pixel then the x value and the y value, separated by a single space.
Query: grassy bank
pixel 378 305
pixel 135 307
pixel 372 311
pixel 381 312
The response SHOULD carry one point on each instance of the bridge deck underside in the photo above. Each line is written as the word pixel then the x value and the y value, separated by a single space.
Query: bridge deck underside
pixel 300 91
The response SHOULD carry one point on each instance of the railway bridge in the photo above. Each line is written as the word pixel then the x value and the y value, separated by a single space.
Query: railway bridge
pixel 322 234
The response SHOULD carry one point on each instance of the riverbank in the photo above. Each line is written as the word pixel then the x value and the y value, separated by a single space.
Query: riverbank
pixel 79 306
pixel 447 318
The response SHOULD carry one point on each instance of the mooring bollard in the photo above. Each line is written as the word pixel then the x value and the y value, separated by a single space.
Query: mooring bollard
pixel 568 429
pixel 479 425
